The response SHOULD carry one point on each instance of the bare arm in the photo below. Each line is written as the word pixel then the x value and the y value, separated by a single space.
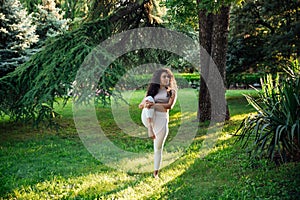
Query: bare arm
pixel 142 104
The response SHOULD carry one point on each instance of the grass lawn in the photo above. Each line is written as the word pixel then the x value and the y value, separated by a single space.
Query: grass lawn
pixel 45 164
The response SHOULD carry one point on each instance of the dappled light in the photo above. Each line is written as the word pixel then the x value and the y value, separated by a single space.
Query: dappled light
pixel 149 99
pixel 54 166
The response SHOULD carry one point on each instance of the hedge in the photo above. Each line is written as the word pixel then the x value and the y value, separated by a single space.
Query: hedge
pixel 184 80
pixel 243 79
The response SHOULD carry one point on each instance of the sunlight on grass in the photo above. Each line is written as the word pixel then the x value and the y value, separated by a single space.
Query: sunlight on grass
pixel 151 186
pixel 59 187
pixel 240 116
pixel 44 164
pixel 111 184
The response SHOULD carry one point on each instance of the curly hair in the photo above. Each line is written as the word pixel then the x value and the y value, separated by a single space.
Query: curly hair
pixel 154 85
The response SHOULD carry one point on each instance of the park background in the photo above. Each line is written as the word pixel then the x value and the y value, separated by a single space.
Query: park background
pixel 255 45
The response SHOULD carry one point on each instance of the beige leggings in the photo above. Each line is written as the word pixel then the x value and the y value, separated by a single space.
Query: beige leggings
pixel 161 130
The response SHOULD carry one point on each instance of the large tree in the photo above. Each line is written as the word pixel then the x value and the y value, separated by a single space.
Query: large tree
pixel 30 91
pixel 211 19
pixel 213 36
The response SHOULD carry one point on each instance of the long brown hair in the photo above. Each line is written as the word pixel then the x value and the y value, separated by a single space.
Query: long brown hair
pixel 154 85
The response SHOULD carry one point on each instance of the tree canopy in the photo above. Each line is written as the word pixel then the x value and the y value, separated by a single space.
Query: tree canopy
pixel 31 90
pixel 262 33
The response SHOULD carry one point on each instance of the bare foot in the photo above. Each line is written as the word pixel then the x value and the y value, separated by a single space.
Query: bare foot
pixel 155 174
pixel 153 137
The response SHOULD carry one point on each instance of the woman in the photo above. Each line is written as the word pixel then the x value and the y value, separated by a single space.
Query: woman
pixel 160 98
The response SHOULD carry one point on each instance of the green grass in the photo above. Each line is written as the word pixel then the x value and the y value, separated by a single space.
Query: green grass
pixel 44 164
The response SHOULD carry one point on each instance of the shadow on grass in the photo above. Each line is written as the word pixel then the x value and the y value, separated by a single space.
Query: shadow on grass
pixel 48 165
pixel 45 164
pixel 227 173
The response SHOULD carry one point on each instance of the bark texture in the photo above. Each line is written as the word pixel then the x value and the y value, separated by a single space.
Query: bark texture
pixel 213 37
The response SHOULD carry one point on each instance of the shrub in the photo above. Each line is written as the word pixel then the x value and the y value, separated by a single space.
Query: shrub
pixel 245 79
pixel 184 80
pixel 276 126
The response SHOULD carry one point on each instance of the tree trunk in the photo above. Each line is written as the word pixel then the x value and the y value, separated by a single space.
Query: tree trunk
pixel 213 37
pixel 205 38
pixel 219 46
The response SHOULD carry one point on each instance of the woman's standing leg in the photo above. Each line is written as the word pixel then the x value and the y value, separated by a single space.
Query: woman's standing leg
pixel 161 132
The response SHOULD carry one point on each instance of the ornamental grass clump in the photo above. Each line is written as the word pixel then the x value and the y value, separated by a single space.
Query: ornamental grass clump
pixel 274 131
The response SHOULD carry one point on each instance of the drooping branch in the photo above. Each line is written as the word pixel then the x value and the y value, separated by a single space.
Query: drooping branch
pixel 31 90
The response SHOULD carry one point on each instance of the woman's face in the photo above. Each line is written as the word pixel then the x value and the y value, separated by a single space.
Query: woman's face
pixel 164 79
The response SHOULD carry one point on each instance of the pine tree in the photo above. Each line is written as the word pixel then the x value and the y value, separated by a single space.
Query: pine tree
pixel 17 35
pixel 49 20
pixel 29 92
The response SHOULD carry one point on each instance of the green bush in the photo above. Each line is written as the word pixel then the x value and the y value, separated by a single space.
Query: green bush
pixel 185 80
pixel 276 126
pixel 245 79
pixel 130 82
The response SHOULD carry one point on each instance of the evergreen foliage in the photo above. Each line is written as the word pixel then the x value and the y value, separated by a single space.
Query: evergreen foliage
pixel 31 90
pixel 30 5
pixel 49 20
pixel 17 35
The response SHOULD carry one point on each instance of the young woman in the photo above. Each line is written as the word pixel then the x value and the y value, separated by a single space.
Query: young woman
pixel 160 98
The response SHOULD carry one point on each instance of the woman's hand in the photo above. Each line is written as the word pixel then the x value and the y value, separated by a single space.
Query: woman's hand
pixel 148 104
